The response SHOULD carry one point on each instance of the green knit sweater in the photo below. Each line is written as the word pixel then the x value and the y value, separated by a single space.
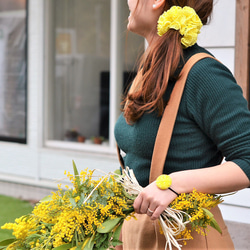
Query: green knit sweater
pixel 213 122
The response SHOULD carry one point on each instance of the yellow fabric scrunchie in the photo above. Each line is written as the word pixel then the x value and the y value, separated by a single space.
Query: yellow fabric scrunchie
pixel 183 19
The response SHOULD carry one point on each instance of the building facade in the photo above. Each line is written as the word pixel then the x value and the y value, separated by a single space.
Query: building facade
pixel 65 65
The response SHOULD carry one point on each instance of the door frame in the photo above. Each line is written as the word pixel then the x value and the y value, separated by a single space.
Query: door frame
pixel 242 45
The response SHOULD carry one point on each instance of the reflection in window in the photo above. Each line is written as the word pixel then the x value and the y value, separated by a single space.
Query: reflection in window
pixel 13 70
pixel 80 85
pixel 82 39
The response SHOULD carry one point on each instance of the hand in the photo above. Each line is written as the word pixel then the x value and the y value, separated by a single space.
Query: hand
pixel 153 201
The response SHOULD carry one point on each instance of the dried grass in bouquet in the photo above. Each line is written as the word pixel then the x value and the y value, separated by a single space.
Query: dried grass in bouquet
pixel 187 213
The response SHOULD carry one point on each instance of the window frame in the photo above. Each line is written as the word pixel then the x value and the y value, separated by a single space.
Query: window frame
pixel 26 53
pixel 242 47
pixel 116 80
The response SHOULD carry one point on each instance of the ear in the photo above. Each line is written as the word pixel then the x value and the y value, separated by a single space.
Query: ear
pixel 158 4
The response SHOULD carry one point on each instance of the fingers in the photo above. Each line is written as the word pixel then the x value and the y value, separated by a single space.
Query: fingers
pixel 141 204
pixel 153 201
pixel 157 213
pixel 137 204
pixel 150 212
pixel 144 205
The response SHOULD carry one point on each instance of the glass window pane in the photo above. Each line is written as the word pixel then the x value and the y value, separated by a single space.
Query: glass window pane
pixel 80 84
pixel 81 55
pixel 13 70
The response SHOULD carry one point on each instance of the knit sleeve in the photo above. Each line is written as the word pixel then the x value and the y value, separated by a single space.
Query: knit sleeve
pixel 215 102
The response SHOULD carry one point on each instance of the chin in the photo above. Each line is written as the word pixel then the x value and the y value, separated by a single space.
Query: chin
pixel 135 31
pixel 131 28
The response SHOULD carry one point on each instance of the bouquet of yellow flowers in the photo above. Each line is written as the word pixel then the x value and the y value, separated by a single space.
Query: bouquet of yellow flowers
pixel 90 215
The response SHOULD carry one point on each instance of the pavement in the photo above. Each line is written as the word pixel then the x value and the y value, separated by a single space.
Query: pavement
pixel 240 234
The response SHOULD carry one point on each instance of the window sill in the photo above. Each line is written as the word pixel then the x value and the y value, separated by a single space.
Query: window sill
pixel 86 146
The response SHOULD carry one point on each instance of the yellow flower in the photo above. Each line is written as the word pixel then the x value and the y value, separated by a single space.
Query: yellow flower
pixel 183 19
pixel 22 227
pixel 195 205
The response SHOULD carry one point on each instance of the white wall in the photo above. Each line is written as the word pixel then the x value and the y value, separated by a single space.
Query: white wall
pixel 219 35
pixel 219 38
pixel 34 160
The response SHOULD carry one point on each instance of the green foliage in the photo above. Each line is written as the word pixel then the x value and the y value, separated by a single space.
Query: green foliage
pixel 213 223
pixel 63 247
pixel 88 216
pixel 10 209
pixel 108 225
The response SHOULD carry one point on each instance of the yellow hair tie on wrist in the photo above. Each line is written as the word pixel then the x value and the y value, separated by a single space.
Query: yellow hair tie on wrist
pixel 164 181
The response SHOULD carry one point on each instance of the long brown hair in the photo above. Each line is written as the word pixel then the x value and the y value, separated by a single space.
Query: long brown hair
pixel 158 64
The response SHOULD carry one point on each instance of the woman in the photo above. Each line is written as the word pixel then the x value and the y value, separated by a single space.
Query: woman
pixel 213 120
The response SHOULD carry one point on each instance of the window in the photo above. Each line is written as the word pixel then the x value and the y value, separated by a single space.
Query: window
pixel 84 44
pixel 13 44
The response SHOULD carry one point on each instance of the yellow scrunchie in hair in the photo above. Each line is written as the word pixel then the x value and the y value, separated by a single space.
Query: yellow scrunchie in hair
pixel 183 19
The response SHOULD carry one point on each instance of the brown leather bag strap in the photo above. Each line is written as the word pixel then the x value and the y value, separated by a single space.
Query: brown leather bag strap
pixel 166 127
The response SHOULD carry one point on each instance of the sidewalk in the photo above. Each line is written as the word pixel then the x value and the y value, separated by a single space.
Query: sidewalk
pixel 240 234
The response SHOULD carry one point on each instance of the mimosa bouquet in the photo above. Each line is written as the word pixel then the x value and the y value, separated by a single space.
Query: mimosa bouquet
pixel 90 214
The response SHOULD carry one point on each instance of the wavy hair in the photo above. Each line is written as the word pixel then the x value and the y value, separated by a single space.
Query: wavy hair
pixel 158 65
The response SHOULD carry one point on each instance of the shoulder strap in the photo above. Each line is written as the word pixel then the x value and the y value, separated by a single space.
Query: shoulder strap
pixel 165 130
